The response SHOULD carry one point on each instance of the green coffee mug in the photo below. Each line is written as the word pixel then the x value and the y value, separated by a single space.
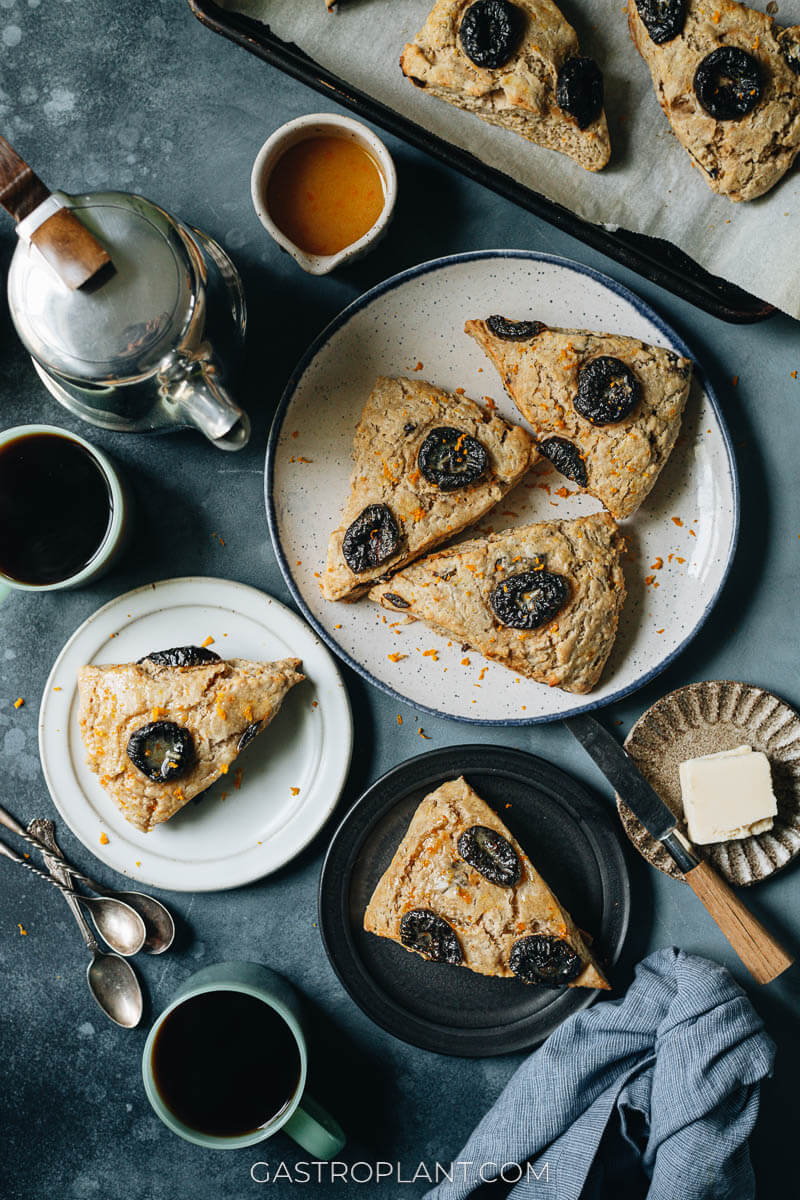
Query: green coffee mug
pixel 119 526
pixel 302 1118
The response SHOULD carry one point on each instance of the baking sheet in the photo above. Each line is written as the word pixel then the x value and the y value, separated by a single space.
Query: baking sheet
pixel 648 187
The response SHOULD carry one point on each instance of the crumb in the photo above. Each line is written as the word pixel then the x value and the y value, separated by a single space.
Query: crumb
pixel 423 734
pixel 22 932
pixel 137 863
pixel 295 791
pixel 18 703
pixel 56 689
pixel 396 658
pixel 677 521
pixel 104 839
pixel 400 719
pixel 237 783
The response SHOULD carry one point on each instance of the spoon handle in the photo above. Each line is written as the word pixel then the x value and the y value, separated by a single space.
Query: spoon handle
pixel 12 854
pixel 31 836
pixel 59 876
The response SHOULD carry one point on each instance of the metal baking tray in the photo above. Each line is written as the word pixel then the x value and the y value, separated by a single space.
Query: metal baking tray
pixel 655 259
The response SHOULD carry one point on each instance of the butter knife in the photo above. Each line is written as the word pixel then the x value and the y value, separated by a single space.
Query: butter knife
pixel 760 952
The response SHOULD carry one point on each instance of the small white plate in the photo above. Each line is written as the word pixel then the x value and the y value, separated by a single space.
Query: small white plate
pixel 413 324
pixel 213 843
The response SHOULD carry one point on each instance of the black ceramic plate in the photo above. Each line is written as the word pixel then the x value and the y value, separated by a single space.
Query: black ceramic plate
pixel 570 838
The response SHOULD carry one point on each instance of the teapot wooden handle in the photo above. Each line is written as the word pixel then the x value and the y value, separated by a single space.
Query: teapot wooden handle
pixel 66 244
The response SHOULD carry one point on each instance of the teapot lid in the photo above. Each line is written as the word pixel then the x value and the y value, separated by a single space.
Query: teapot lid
pixel 122 327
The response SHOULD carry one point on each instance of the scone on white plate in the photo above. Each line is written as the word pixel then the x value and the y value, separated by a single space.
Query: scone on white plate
pixel 159 731
pixel 543 600
pixel 426 464
pixel 606 409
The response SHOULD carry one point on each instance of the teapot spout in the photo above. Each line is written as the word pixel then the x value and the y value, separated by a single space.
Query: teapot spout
pixel 200 400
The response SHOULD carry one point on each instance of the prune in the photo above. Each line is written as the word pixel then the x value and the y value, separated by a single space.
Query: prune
pixel 490 853
pixel 182 656
pixel 250 732
pixel 579 90
pixel 490 32
pixel 530 599
pixel 421 929
pixel 663 19
pixel 161 750
pixel 608 390
pixel 542 958
pixel 395 600
pixel 789 42
pixel 566 458
pixel 728 83
pixel 371 539
pixel 451 458
pixel 513 331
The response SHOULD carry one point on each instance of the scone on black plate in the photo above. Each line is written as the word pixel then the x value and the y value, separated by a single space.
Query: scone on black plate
pixel 426 464
pixel 728 80
pixel 606 409
pixel 159 731
pixel 517 65
pixel 461 890
pixel 543 600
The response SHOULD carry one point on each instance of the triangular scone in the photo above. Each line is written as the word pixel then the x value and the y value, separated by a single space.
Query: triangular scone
pixel 395 443
pixel 561 582
pixel 221 705
pixel 737 114
pixel 544 373
pixel 513 928
pixel 543 70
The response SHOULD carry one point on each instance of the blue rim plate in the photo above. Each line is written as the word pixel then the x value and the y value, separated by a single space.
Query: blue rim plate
pixel 412 324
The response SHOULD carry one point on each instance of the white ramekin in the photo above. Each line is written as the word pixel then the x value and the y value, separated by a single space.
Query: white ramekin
pixel 299 130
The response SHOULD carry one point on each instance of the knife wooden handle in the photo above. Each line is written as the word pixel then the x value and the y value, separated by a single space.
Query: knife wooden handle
pixel 762 954
pixel 21 189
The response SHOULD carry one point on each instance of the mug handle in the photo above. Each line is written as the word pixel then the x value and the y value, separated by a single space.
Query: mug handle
pixel 315 1129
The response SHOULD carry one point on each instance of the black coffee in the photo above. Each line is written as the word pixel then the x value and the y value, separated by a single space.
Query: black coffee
pixel 225 1063
pixel 55 508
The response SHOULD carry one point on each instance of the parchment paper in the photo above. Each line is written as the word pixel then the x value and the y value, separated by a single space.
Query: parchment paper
pixel 649 186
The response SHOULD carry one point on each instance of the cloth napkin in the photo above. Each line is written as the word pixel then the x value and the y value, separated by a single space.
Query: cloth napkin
pixel 654 1096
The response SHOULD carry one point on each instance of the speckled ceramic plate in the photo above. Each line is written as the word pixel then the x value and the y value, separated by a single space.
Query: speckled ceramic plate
pixel 688 524
pixel 571 840
pixel 291 775
pixel 700 719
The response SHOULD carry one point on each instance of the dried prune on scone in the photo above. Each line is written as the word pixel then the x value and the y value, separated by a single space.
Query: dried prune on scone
pixel 395 600
pixel 182 656
pixel 161 750
pixel 579 90
pixel 490 853
pixel 490 32
pixel 451 458
pixel 542 958
pixel 663 19
pixel 566 458
pixel 789 42
pixel 530 599
pixel 423 930
pixel 728 83
pixel 371 539
pixel 250 732
pixel 513 331
pixel 608 390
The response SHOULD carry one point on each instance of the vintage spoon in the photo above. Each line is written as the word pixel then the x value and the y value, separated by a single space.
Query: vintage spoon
pixel 116 922
pixel 112 980
pixel 159 925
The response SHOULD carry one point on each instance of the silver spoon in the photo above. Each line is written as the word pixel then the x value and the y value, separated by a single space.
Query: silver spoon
pixel 112 980
pixel 116 922
pixel 159 925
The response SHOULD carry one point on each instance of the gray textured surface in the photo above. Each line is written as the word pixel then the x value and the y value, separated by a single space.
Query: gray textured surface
pixel 140 95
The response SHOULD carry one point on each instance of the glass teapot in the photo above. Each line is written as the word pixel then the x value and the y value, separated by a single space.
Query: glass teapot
pixel 127 313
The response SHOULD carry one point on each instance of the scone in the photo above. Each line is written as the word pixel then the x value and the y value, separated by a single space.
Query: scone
pixel 543 600
pixel 426 464
pixel 606 409
pixel 461 890
pixel 728 80
pixel 159 731
pixel 516 65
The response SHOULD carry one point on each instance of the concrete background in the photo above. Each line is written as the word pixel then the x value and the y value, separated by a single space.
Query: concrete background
pixel 140 96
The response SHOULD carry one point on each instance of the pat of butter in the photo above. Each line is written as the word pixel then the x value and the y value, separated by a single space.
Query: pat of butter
pixel 728 795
